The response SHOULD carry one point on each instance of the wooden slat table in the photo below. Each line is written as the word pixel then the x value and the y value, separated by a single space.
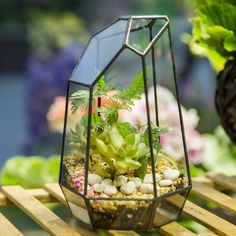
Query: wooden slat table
pixel 209 188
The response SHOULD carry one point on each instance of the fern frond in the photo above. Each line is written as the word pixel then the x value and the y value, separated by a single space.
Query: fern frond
pixel 134 91
pixel 79 100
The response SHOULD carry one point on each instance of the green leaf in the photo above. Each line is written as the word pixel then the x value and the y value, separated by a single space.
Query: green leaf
pixel 112 117
pixel 214 31
pixel 109 113
pixel 30 172
pixel 134 91
pixel 140 172
pixel 115 137
pixel 120 166
pixel 142 151
pixel 121 152
pixel 230 43
pixel 102 88
pixel 102 147
pixel 196 171
pixel 125 128
pixel 112 151
pixel 130 138
pixel 156 132
pixel 132 164
pixel 79 100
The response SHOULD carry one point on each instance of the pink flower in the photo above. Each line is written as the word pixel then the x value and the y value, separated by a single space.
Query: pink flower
pixel 169 117
pixel 56 114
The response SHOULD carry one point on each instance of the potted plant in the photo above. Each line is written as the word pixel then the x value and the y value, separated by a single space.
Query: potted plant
pixel 214 36
pixel 115 172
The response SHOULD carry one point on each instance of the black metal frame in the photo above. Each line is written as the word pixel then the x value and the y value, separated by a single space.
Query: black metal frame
pixel 142 55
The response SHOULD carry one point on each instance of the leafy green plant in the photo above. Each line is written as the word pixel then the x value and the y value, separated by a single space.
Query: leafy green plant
pixel 214 31
pixel 220 153
pixel 120 145
pixel 30 172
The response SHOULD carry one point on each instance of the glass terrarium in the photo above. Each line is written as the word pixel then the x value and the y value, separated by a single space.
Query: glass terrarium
pixel 124 161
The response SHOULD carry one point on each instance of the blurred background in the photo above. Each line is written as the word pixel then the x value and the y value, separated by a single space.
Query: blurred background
pixel 40 44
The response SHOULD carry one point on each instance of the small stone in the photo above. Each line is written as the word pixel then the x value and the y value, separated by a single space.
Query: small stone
pixel 98 188
pixel 106 182
pixel 110 190
pixel 146 188
pixel 137 182
pixel 171 174
pixel 158 177
pixel 149 178
pixel 165 182
pixel 130 216
pixel 94 179
pixel 120 180
pixel 128 188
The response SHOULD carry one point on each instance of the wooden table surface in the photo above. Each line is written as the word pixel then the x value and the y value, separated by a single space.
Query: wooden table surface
pixel 209 188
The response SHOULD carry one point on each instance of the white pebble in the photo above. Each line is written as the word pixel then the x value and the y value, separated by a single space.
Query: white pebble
pixel 171 174
pixel 149 178
pixel 146 188
pixel 98 188
pixel 106 182
pixel 128 188
pixel 110 190
pixel 158 177
pixel 94 179
pixel 137 182
pixel 165 182
pixel 120 180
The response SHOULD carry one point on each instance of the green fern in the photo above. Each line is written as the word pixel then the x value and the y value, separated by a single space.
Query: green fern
pixel 156 132
pixel 134 91
pixel 142 170
pixel 102 88
pixel 79 100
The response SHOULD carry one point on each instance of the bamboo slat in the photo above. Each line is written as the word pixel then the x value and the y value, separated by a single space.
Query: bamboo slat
pixel 38 212
pixel 7 228
pixel 207 188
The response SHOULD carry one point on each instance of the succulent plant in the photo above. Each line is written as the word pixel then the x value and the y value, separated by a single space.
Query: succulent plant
pixel 115 147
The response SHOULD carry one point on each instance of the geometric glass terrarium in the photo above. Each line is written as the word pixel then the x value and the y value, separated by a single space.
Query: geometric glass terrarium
pixel 117 168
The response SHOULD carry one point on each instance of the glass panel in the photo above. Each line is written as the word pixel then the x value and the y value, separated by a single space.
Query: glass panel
pixel 118 214
pixel 172 142
pixel 168 209
pixel 96 56
pixel 77 205
pixel 139 34
pixel 75 145
pixel 157 26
